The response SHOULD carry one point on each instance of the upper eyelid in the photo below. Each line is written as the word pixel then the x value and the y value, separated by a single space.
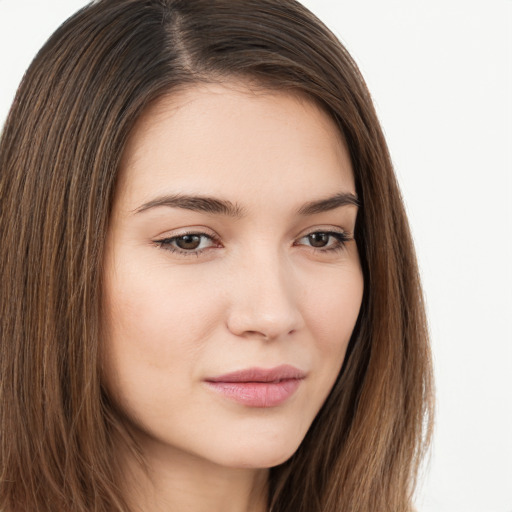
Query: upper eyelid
pixel 215 236
pixel 203 231
pixel 176 233
pixel 336 230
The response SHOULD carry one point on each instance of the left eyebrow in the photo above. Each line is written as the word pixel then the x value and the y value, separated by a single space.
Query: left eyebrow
pixel 330 203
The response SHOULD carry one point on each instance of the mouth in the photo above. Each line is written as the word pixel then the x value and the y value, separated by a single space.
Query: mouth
pixel 258 387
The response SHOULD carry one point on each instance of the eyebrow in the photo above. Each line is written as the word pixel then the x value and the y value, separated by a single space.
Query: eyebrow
pixel 204 204
pixel 215 206
pixel 330 203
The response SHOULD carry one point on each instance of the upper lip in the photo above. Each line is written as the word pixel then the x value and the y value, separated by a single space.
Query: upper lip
pixel 283 372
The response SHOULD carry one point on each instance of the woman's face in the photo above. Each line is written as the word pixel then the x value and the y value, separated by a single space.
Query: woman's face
pixel 232 281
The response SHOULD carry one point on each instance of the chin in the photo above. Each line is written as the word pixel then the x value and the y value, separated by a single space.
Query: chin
pixel 259 455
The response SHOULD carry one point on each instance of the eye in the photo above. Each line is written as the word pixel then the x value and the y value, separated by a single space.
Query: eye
pixel 188 243
pixel 325 240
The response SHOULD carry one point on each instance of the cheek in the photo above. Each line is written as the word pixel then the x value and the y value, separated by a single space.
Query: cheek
pixel 157 324
pixel 331 313
pixel 158 311
pixel 332 306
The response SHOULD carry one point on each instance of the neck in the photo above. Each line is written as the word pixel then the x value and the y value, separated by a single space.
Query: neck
pixel 173 480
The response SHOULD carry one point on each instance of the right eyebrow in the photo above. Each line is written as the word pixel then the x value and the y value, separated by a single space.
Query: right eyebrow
pixel 204 204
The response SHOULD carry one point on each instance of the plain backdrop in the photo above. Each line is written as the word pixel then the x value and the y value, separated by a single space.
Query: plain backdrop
pixel 440 73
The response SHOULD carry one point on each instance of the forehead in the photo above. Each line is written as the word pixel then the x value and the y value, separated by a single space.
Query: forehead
pixel 226 139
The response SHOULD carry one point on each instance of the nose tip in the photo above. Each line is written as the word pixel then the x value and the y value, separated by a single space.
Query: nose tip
pixel 264 307
pixel 254 324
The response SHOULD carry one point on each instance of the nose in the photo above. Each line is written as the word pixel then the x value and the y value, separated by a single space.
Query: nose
pixel 264 299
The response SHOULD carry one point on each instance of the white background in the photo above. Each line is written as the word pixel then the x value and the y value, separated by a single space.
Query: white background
pixel 441 76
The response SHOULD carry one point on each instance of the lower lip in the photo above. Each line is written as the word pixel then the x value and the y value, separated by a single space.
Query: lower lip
pixel 257 394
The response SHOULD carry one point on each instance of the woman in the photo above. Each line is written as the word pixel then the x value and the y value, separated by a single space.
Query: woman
pixel 210 298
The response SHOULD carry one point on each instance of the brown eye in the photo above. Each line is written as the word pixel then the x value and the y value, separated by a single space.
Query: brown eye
pixel 325 241
pixel 319 239
pixel 188 242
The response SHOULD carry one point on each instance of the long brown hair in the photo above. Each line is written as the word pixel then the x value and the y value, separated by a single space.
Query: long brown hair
pixel 59 154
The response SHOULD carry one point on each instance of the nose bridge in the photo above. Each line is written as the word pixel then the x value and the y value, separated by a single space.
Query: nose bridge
pixel 263 299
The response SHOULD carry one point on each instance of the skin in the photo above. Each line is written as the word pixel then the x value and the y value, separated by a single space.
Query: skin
pixel 254 293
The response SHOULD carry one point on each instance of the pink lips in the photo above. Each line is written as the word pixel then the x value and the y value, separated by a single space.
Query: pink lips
pixel 258 387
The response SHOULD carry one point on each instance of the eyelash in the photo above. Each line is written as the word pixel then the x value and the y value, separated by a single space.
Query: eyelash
pixel 166 243
pixel 341 239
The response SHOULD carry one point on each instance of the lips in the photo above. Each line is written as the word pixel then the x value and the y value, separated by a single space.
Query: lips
pixel 258 387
